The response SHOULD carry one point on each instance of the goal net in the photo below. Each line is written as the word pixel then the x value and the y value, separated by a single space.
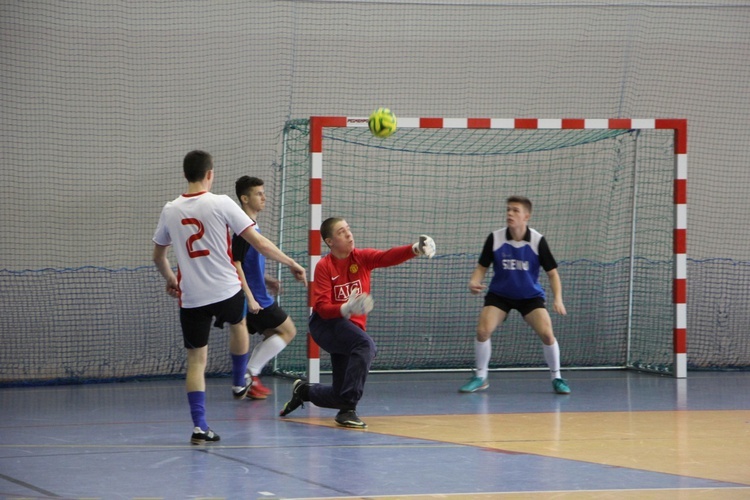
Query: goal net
pixel 605 196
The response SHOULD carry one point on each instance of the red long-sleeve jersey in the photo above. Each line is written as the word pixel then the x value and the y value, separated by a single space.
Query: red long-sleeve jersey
pixel 335 279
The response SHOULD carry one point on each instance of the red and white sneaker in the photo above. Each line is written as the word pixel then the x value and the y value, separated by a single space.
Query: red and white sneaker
pixel 258 390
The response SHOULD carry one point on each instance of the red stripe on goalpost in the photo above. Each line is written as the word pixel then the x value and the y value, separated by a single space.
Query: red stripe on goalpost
pixel 313 242
pixel 313 350
pixel 573 123
pixel 680 132
pixel 679 340
pixel 430 123
pixel 620 123
pixel 680 241
pixel 680 191
pixel 679 291
pixel 316 191
pixel 527 123
pixel 478 123
pixel 317 123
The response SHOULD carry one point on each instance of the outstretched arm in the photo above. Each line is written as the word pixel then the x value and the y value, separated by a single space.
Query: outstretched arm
pixel 425 247
pixel 556 285
pixel 267 248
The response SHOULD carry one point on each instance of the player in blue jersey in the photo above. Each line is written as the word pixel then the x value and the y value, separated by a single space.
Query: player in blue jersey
pixel 516 252
pixel 264 315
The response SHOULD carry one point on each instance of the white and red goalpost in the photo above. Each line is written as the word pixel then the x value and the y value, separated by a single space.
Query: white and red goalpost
pixel 318 124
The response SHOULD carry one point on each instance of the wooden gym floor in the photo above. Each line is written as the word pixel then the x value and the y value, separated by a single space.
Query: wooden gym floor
pixel 620 434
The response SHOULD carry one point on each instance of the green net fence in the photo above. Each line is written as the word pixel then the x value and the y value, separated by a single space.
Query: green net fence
pixel 102 99
pixel 602 198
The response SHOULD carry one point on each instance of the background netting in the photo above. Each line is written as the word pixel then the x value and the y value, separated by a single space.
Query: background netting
pixel 598 195
pixel 101 99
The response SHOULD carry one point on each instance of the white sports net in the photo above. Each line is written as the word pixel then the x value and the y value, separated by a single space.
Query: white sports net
pixel 102 99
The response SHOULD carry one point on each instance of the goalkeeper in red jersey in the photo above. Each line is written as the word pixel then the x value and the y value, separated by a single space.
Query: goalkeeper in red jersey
pixel 341 302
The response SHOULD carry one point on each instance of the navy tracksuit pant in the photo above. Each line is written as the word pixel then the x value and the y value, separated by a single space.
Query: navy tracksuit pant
pixel 352 351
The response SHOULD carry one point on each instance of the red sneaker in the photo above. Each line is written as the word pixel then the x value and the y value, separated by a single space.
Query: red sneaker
pixel 258 390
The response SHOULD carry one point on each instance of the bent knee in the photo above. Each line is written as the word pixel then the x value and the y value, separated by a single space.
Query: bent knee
pixel 548 338
pixel 286 331
pixel 484 333
pixel 366 346
pixel 483 336
pixel 290 334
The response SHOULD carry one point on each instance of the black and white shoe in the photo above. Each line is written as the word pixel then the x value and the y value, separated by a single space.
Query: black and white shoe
pixel 296 400
pixel 202 437
pixel 240 392
pixel 349 418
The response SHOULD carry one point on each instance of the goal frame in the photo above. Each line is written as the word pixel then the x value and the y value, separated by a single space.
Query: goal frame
pixel 679 237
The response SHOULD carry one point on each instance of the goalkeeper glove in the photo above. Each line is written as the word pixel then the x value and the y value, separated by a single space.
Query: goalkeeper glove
pixel 425 247
pixel 357 305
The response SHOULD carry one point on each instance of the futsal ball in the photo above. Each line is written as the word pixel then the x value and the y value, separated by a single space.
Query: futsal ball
pixel 382 123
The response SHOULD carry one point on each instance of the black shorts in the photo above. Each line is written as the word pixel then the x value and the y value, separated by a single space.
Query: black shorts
pixel 196 321
pixel 524 306
pixel 266 319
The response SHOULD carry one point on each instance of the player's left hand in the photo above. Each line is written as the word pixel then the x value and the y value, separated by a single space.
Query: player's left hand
pixel 252 306
pixel 173 289
pixel 559 308
pixel 425 247
pixel 357 304
pixel 299 273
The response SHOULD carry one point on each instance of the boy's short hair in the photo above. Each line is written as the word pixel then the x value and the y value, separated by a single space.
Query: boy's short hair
pixel 522 200
pixel 326 229
pixel 244 184
pixel 196 165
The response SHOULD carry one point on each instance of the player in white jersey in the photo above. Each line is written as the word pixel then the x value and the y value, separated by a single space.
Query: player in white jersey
pixel 201 220
pixel 516 253
pixel 198 225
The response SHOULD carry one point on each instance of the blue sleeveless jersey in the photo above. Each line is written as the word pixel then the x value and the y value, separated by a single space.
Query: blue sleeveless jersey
pixel 516 264
pixel 254 267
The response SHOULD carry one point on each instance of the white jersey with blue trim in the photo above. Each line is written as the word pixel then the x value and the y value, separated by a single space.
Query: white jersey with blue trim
pixel 199 228
pixel 516 264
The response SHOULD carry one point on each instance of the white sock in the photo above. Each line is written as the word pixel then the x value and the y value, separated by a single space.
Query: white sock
pixel 482 353
pixel 552 357
pixel 263 353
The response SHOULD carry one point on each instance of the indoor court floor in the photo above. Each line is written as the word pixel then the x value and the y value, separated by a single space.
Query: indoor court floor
pixel 620 434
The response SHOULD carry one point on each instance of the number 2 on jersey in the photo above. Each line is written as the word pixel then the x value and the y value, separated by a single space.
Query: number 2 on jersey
pixel 195 237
